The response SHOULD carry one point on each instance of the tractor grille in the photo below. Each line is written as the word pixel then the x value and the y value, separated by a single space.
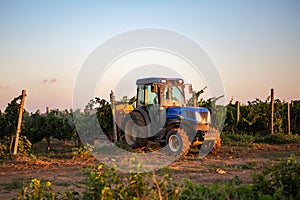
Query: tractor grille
pixel 190 114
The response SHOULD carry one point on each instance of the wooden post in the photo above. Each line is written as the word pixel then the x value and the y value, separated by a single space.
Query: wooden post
pixel 48 134
pixel 238 112
pixel 288 119
pixel 237 115
pixel 272 111
pixel 19 122
pixel 113 109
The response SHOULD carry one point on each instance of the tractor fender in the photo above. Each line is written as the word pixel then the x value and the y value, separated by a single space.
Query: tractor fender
pixel 189 127
pixel 152 125
pixel 144 114
pixel 182 124
pixel 172 124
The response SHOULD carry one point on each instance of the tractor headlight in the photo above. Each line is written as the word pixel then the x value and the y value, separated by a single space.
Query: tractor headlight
pixel 203 117
pixel 198 117
pixel 208 118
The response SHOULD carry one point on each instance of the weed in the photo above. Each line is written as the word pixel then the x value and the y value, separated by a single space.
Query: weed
pixel 82 152
pixel 14 184
pixel 105 183
pixel 36 190
pixel 237 139
pixel 215 191
pixel 65 184
pixel 276 139
pixel 281 181
pixel 244 166
pixel 249 140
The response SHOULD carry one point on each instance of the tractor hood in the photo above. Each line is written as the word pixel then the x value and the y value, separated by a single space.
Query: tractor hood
pixel 196 115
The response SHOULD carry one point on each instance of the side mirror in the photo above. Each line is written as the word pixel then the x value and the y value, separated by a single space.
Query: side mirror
pixel 154 88
pixel 189 88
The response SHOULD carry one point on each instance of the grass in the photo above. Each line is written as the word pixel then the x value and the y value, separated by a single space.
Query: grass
pixel 16 183
pixel 244 166
pixel 231 139
pixel 64 184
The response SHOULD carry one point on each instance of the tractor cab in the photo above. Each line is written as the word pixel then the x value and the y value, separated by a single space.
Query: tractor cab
pixel 162 92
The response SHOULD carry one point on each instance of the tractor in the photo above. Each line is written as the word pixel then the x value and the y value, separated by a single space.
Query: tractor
pixel 162 117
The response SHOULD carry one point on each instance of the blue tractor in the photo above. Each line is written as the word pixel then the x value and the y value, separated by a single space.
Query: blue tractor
pixel 162 116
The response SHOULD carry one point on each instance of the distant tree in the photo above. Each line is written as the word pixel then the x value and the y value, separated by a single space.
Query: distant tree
pixel 2 125
pixel 218 112
pixel 55 124
pixel 105 117
pixel 11 118
pixel 33 127
pixel 295 117
pixel 61 128
pixel 255 117
pixel 9 123
pixel 231 115
pixel 280 116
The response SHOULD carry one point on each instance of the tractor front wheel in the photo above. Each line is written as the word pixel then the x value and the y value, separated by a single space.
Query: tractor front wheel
pixel 177 142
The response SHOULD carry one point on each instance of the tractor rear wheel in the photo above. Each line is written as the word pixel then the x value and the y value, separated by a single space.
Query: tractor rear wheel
pixel 133 127
pixel 177 142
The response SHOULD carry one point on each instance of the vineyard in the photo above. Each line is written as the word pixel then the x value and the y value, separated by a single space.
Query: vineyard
pixel 254 119
pixel 49 142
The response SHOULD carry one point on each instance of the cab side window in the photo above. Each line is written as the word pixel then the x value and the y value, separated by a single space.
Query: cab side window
pixel 152 97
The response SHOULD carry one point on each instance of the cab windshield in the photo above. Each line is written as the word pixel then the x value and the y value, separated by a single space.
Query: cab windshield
pixel 172 96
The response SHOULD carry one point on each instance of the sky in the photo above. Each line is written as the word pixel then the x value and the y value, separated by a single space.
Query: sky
pixel 255 45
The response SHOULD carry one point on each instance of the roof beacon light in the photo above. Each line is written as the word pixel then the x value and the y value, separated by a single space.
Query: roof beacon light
pixel 163 80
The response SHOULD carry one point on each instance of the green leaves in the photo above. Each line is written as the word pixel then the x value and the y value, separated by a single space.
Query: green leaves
pixel 106 183
pixel 281 181
pixel 37 190
pixel 255 117
pixel 55 124
pixel 216 191
pixel 9 119
pixel 105 117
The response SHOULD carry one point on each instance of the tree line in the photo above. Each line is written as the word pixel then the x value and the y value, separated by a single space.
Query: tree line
pixel 54 124
pixel 254 118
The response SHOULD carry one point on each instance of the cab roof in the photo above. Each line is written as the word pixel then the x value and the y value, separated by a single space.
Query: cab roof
pixel 150 80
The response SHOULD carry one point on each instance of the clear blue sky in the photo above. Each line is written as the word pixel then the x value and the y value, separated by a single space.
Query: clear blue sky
pixel 254 44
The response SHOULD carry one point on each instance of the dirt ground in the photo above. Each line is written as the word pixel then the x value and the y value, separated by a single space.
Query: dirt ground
pixel 232 163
